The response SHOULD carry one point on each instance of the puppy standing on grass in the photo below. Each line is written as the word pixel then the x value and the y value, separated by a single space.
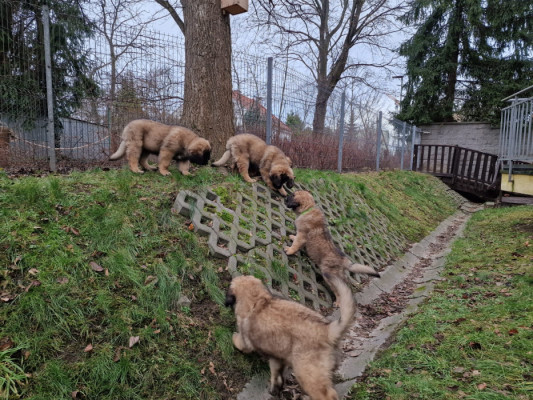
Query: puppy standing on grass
pixel 143 137
pixel 313 233
pixel 249 152
pixel 290 334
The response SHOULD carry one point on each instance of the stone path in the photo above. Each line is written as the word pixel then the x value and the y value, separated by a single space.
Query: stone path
pixel 382 305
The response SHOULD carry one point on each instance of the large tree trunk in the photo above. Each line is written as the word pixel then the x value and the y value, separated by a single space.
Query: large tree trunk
pixel 321 108
pixel 208 106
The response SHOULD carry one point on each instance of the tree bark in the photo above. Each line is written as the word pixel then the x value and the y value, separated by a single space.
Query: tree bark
pixel 208 106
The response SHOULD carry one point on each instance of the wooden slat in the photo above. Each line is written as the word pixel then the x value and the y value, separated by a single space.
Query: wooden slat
pixel 435 158
pixel 476 169
pixel 450 159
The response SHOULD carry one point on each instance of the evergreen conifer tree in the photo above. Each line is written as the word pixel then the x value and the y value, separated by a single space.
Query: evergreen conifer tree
pixel 465 56
pixel 22 63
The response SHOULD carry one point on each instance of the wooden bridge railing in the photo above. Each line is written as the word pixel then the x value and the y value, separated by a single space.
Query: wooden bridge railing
pixel 461 168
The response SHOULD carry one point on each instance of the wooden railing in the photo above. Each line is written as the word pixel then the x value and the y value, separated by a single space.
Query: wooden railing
pixel 461 168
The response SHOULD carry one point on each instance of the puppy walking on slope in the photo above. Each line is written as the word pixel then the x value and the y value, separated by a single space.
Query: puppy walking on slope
pixel 143 137
pixel 248 152
pixel 313 233
pixel 290 334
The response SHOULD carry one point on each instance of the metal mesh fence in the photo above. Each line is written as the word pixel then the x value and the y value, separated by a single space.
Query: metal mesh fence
pixel 137 73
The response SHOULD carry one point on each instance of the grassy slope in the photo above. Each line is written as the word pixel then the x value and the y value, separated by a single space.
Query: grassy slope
pixel 53 227
pixel 473 338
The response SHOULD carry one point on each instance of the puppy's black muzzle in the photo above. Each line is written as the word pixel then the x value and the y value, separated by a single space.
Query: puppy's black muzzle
pixel 202 159
pixel 290 183
pixel 291 203
pixel 230 299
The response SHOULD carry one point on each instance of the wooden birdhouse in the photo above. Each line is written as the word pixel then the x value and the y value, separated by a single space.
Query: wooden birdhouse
pixel 234 6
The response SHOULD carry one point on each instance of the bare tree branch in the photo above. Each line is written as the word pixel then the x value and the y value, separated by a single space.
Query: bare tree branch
pixel 173 13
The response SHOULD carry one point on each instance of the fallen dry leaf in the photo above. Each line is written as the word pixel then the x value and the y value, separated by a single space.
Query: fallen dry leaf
pixel 212 368
pixel 88 348
pixel 482 386
pixel 191 227
pixel 149 279
pixel 33 271
pixel 117 354
pixel 355 353
pixel 62 280
pixel 74 394
pixel 33 283
pixel 6 297
pixel 95 267
pixel 133 341
pixel 6 343
pixel 513 332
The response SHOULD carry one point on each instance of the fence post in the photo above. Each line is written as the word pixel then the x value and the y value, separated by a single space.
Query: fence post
pixel 413 137
pixel 403 144
pixel 341 133
pixel 50 135
pixel 269 102
pixel 378 144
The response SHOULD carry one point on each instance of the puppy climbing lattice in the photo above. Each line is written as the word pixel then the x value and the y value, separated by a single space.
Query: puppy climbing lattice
pixel 251 236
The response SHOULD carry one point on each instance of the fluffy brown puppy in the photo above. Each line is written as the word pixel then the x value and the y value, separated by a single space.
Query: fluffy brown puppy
pixel 290 334
pixel 143 137
pixel 250 153
pixel 313 233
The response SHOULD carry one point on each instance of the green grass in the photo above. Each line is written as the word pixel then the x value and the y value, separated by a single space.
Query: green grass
pixel 51 230
pixel 411 202
pixel 472 339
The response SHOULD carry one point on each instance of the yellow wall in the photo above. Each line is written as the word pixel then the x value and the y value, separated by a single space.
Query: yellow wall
pixel 521 184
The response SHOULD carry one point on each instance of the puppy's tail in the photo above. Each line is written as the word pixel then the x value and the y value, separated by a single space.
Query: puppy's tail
pixel 361 269
pixel 223 160
pixel 120 152
pixel 346 306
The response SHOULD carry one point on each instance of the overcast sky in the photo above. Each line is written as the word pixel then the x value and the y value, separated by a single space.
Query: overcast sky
pixel 243 40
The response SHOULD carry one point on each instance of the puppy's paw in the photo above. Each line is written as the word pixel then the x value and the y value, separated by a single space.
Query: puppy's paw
pixel 292 237
pixel 274 390
pixel 289 251
pixel 164 173
pixel 282 192
pixel 251 180
pixel 186 173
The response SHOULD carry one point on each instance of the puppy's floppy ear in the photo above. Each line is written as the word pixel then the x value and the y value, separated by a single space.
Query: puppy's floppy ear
pixel 230 299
